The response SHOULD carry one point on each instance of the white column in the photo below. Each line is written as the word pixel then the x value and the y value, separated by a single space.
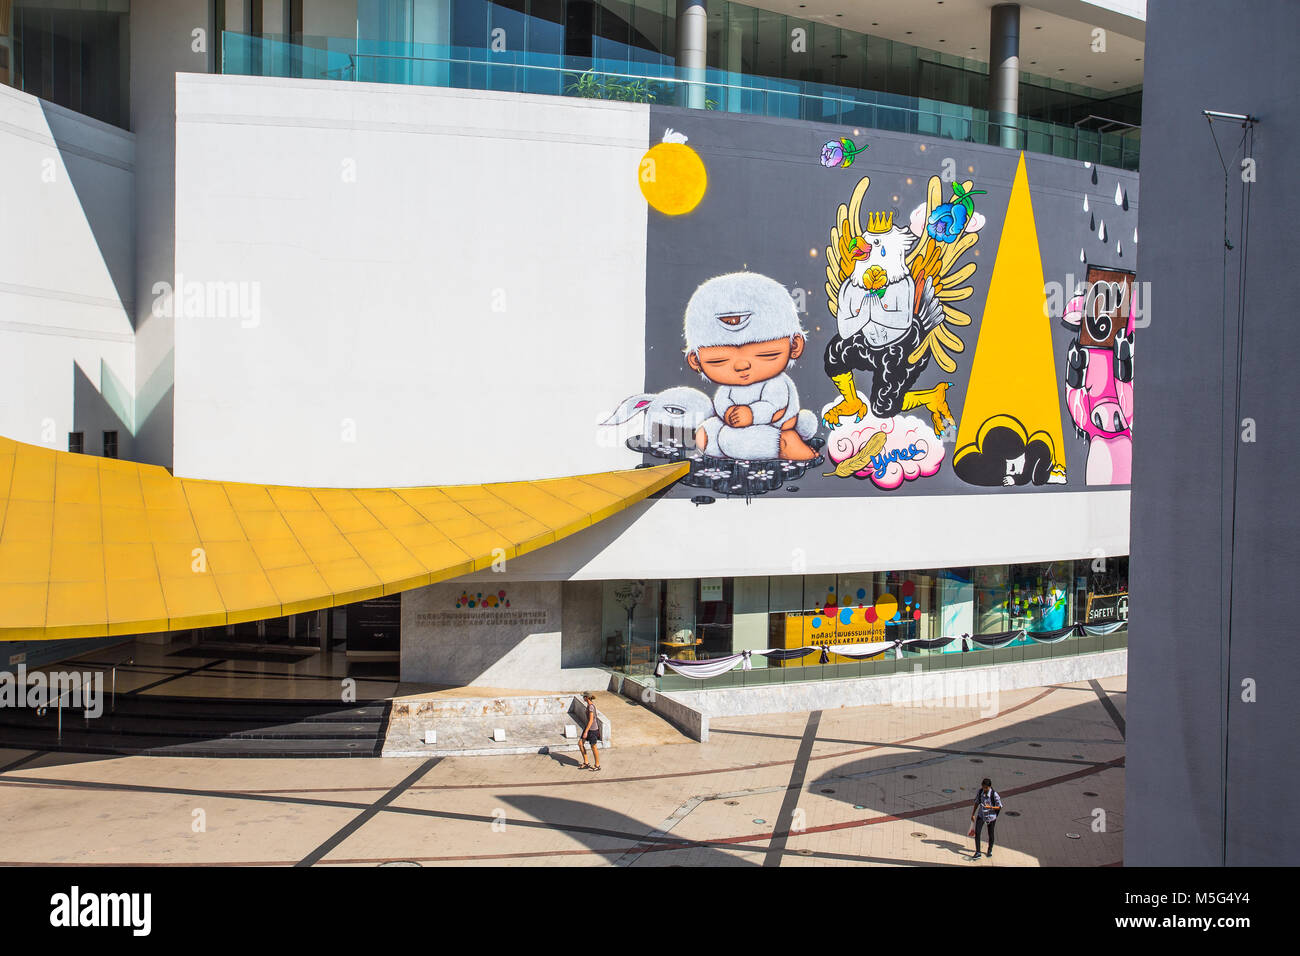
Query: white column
pixel 692 48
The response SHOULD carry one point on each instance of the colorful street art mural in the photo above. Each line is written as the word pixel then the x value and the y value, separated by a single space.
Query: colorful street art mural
pixel 1010 433
pixel 1099 372
pixel 889 287
pixel 742 333
pixel 940 372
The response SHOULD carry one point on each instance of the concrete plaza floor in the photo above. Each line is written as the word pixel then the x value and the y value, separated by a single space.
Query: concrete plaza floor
pixel 885 785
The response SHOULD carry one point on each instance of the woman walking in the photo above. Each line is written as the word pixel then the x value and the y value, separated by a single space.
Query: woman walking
pixel 988 804
pixel 590 733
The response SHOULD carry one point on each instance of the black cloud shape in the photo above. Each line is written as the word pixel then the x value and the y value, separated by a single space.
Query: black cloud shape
pixel 1001 440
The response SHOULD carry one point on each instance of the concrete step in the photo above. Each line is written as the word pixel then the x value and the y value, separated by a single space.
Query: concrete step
pixel 198 729
pixel 77 742
pixel 187 726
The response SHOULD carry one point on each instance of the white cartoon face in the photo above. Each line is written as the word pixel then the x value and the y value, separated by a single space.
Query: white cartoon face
pixel 887 250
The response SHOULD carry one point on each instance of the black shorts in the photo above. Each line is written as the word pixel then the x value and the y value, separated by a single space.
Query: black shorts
pixel 593 737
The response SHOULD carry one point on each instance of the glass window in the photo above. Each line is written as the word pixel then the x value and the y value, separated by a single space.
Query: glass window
pixel 679 610
pixel 1040 596
pixel 469 23
pixel 546 26
pixel 770 44
pixel 852 60
pixel 630 624
pixel 750 625
pixel 714 616
pixel 75 58
pixel 991 610
pixel 956 599
pixel 654 26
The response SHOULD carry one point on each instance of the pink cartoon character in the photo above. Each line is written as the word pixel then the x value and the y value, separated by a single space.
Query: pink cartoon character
pixel 1099 373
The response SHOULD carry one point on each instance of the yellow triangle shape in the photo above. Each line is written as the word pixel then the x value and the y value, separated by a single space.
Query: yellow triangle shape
pixel 1014 381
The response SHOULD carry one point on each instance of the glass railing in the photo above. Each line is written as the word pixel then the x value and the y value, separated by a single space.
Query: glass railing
pixel 910 662
pixel 657 80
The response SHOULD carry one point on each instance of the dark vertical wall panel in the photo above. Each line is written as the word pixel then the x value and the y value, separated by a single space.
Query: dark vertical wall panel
pixel 1187 722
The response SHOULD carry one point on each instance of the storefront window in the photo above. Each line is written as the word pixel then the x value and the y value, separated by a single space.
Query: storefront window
pixel 631 624
pixel 714 616
pixel 703 618
pixel 1101 595
pixel 1040 596
pixel 991 613
pixel 749 627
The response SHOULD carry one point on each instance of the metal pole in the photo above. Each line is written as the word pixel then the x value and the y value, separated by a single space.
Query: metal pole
pixel 1004 74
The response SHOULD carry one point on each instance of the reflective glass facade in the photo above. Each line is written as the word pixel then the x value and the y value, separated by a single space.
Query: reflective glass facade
pixel 977 608
pixel 742 39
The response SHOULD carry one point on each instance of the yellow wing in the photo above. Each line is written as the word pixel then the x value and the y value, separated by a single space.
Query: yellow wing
pixel 938 262
pixel 839 257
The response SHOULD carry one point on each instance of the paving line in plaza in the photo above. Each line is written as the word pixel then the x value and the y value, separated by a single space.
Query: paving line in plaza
pixel 641 842
pixel 587 781
pixel 661 846
pixel 911 814
pixel 737 769
pixel 316 855
pixel 634 853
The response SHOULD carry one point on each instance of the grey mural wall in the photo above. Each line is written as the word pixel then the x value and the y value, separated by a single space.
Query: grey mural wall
pixel 840 312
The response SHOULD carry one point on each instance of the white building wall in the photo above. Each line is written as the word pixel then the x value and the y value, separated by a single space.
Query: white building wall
pixel 411 252
pixel 66 284
pixel 673 538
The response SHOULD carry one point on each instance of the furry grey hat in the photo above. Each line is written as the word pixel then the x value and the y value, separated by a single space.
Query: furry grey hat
pixel 740 308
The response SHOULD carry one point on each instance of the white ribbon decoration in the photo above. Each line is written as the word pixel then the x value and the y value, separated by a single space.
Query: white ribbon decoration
pixel 703 670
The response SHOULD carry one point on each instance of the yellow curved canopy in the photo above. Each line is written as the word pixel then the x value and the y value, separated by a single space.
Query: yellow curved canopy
pixel 95 546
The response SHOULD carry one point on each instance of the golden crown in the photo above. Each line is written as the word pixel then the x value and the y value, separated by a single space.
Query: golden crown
pixel 878 222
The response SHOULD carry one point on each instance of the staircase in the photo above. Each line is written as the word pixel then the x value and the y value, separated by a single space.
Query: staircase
pixel 205 727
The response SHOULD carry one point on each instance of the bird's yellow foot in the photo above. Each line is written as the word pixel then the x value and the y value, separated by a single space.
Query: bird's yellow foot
pixel 856 407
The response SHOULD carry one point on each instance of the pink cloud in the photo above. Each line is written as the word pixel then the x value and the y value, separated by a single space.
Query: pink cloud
pixel 911 449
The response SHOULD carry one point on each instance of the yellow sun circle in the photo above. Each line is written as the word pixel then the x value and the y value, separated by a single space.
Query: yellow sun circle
pixel 672 178
pixel 886 607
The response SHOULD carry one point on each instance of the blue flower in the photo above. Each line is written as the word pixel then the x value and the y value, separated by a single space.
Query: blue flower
pixel 947 221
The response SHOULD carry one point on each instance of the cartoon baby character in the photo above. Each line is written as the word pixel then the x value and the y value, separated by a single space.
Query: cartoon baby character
pixel 743 332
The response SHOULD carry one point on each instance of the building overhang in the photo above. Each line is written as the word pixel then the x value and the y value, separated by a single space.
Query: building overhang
pixel 93 547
